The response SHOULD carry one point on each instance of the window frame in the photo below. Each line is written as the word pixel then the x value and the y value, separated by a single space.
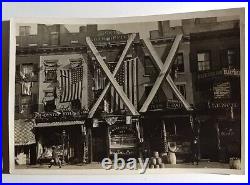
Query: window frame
pixel 176 63
pixel 210 57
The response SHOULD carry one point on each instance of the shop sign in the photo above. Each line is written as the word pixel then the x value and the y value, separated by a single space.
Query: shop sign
pixel 110 38
pixel 231 72
pixel 222 90
pixel 226 72
pixel 222 105
pixel 174 104
pixel 209 74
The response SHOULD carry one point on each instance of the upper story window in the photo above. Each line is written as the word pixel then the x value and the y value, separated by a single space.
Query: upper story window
pixel 148 66
pixel 50 71
pixel 178 64
pixel 24 30
pixel 182 89
pixel 26 71
pixel 231 58
pixel 203 60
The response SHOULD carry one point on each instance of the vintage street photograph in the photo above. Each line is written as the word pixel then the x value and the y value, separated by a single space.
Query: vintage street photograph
pixel 141 96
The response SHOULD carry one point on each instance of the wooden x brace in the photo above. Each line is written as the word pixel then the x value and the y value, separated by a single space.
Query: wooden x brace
pixel 112 76
pixel 164 73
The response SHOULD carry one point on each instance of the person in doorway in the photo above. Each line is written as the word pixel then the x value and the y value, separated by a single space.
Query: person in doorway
pixel 195 150
pixel 55 158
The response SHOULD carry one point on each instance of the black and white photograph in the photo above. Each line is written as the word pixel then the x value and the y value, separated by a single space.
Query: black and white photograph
pixel 140 96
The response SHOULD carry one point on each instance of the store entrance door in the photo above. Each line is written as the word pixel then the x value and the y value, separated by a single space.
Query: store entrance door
pixel 99 140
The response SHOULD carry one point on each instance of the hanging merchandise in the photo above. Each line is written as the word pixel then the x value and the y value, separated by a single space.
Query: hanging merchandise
pixel 128 120
pixel 111 120
pixel 139 131
pixel 83 130
pixel 95 122
pixel 26 88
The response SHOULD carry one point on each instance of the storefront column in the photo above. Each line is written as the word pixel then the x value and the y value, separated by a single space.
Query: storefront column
pixel 90 145
pixel 165 143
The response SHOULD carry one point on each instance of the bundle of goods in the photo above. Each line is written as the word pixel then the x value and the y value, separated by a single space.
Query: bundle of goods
pixel 156 161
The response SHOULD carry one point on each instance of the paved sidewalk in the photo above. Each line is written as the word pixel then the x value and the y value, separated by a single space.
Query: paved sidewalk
pixel 96 165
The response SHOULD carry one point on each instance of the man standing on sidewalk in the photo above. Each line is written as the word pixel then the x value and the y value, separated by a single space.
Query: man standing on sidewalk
pixel 195 150
pixel 55 158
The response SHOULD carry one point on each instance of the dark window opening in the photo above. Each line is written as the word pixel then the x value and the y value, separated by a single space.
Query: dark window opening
pixel 178 64
pixel 182 89
pixel 149 67
pixel 76 105
pixel 50 75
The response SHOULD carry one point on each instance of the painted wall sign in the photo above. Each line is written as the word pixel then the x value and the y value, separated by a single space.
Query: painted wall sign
pixel 222 90
pixel 226 72
pixel 110 38
pixel 221 105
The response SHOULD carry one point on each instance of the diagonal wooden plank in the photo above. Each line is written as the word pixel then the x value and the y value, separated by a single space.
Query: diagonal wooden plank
pixel 163 72
pixel 105 68
pixel 119 64
pixel 154 56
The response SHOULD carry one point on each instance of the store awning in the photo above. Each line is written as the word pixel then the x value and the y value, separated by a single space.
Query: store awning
pixel 24 133
pixel 62 123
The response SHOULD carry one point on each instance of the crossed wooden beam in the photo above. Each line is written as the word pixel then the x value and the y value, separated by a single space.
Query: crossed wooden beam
pixel 111 76
pixel 164 69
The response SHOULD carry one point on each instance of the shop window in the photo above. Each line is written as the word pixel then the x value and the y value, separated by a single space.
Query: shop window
pixel 178 64
pixel 148 66
pixel 182 89
pixel 203 60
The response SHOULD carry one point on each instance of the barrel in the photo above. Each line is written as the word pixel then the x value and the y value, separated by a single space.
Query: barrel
pixel 164 157
pixel 157 166
pixel 158 160
pixel 172 158
pixel 162 165
pixel 153 161
pixel 234 163
pixel 156 154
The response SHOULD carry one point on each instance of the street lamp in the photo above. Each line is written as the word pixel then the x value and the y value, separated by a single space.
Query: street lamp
pixel 63 140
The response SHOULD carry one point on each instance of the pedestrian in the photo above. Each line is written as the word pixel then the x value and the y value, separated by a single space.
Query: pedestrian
pixel 55 158
pixel 195 150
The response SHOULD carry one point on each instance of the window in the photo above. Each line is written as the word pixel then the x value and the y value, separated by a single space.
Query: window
pixel 49 101
pixel 182 89
pixel 178 64
pixel 25 105
pixel 50 71
pixel 24 30
pixel 148 66
pixel 231 58
pixel 26 71
pixel 203 61
pixel 50 75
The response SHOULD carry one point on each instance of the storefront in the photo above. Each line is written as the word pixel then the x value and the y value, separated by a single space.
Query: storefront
pixel 66 131
pixel 115 134
pixel 168 127
pixel 25 143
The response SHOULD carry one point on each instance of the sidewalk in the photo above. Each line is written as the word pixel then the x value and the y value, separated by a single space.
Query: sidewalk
pixel 96 165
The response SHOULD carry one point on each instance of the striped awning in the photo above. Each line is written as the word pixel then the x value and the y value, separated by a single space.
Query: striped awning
pixel 24 134
pixel 61 123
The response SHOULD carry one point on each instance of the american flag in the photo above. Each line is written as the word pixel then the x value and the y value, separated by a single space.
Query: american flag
pixel 126 78
pixel 71 83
